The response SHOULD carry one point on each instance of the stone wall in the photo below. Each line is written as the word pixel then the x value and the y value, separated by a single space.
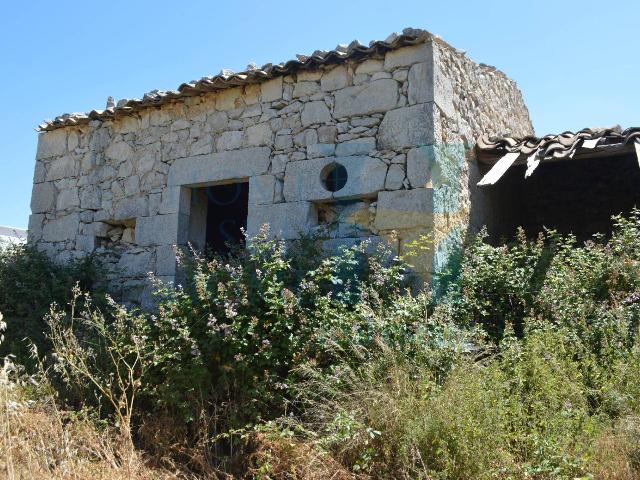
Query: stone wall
pixel 401 124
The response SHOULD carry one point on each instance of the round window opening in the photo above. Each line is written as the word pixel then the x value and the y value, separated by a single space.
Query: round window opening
pixel 334 177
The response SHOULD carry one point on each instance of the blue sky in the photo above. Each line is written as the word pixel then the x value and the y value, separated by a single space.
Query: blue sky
pixel 573 60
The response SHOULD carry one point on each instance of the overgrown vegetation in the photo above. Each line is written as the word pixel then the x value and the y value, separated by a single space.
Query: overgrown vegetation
pixel 279 363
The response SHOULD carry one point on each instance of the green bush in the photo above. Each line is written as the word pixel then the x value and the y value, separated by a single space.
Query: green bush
pixel 528 368
pixel 29 283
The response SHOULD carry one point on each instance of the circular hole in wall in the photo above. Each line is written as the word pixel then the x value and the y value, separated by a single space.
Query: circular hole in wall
pixel 334 177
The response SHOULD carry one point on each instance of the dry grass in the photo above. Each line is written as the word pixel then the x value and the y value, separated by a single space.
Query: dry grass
pixel 38 440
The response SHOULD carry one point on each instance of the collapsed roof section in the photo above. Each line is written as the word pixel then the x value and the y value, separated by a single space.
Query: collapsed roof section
pixel 503 151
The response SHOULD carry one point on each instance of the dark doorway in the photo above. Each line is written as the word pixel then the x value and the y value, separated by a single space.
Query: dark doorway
pixel 227 210
pixel 575 196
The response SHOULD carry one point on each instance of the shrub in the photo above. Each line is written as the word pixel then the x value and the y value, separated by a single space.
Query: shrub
pixel 29 283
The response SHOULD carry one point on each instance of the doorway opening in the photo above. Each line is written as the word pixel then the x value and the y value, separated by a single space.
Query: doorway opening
pixel 218 216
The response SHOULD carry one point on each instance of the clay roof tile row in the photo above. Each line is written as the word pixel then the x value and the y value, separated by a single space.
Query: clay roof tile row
pixel 253 74
pixel 560 146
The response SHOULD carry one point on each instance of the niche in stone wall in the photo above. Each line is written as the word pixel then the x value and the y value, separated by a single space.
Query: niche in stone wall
pixel 345 218
pixel 120 233
pixel 218 216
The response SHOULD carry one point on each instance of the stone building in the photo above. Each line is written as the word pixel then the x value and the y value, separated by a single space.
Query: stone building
pixel 359 142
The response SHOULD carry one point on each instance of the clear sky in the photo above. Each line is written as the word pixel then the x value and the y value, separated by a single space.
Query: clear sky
pixel 575 61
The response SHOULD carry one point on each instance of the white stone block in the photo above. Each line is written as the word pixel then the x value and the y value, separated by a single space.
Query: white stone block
pixel 285 220
pixel 63 167
pixel 175 199
pixel 119 152
pixel 378 96
pixel 315 112
pixel 61 229
pixel 321 150
pixel 335 79
pixel 52 144
pixel 43 197
pixel 407 127
pixel 419 164
pixel 136 263
pixel 170 229
pixel 271 90
pixel 228 98
pixel 403 57
pixel 261 189
pixel 258 135
pixel 369 66
pixel 232 165
pixel 395 177
pixel 165 260
pixel 402 209
pixel 420 84
pixel 359 146
pixel 129 208
pixel 301 89
pixel 67 198
pixel 229 140
pixel 303 180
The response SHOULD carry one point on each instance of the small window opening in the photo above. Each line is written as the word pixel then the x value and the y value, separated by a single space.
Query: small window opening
pixel 334 177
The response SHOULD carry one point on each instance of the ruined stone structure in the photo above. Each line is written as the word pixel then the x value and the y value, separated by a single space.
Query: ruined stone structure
pixel 360 142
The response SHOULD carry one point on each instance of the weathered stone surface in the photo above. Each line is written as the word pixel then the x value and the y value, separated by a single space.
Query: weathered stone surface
pixel 175 200
pixel 419 163
pixel 261 189
pixel 86 243
pixel 327 134
pixel 137 263
pixel 272 90
pixel 369 66
pixel 61 229
pixel 119 152
pixel 227 99
pixel 404 209
pixel 321 150
pixel 43 197
pixel 229 140
pixel 67 198
pixel 165 260
pixel 51 144
pixel 301 89
pixel 406 56
pixel 63 167
pixel 236 164
pixel 335 79
pixel 315 112
pixel 130 208
pixel 303 180
pixel 407 127
pixel 365 99
pixel 170 229
pixel 144 168
pixel 420 84
pixel 258 135
pixel 285 220
pixel 395 177
pixel 34 231
pixel 359 146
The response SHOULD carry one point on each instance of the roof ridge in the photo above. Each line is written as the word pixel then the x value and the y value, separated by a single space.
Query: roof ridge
pixel 253 74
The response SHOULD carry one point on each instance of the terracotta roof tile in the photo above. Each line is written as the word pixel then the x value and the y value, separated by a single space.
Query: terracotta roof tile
pixel 253 74
pixel 563 145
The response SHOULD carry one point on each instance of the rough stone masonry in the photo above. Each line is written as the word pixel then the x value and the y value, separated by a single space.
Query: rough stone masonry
pixel 398 119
